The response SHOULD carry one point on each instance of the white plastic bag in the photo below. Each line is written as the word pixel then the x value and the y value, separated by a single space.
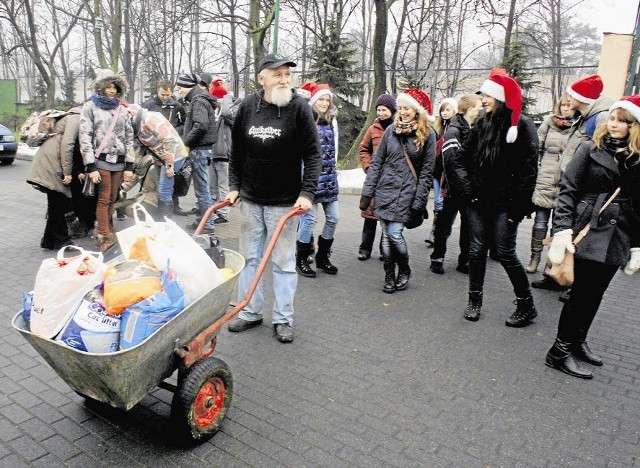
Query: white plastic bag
pixel 61 283
pixel 167 242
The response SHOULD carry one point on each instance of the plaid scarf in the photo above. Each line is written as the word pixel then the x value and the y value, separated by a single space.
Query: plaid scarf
pixel 405 128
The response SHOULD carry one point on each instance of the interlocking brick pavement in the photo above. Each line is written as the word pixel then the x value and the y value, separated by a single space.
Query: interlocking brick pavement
pixel 371 379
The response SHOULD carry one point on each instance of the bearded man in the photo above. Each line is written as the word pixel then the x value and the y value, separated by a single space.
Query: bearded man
pixel 274 166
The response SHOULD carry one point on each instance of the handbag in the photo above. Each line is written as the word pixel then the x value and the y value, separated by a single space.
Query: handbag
pixel 89 187
pixel 562 273
pixel 416 217
pixel 182 179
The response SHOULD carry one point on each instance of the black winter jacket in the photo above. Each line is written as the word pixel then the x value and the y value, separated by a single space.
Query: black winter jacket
pixel 454 137
pixel 200 131
pixel 275 153
pixel 508 183
pixel 172 111
pixel 389 178
pixel 590 179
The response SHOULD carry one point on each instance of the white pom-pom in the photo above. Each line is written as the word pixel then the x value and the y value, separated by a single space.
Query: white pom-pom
pixel 512 134
pixel 431 118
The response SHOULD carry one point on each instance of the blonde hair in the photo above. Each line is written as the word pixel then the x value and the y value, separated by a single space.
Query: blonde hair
pixel 633 148
pixel 467 102
pixel 557 106
pixel 329 114
pixel 423 129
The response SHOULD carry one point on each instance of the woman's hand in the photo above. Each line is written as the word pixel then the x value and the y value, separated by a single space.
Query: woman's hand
pixel 67 180
pixel 95 177
pixel 562 242
pixel 127 176
pixel 170 172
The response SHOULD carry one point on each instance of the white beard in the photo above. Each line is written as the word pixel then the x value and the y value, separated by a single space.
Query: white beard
pixel 281 96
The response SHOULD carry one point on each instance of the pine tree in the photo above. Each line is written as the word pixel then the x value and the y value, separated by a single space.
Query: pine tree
pixel 334 64
pixel 515 62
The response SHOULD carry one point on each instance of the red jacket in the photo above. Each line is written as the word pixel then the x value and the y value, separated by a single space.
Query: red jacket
pixel 370 143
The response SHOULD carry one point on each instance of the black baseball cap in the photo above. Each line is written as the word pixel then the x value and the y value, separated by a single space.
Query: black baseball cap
pixel 274 61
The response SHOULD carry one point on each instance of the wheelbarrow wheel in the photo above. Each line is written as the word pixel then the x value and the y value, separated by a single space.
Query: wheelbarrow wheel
pixel 202 400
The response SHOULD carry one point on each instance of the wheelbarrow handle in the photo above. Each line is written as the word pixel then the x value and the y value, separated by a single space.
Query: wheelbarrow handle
pixel 186 352
pixel 207 214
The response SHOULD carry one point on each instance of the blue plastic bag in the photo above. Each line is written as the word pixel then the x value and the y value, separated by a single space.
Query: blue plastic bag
pixel 27 300
pixel 144 318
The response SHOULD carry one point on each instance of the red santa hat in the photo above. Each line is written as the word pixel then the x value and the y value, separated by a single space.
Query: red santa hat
pixel 629 103
pixel 306 90
pixel 417 99
pixel 506 89
pixel 217 89
pixel 587 89
pixel 318 91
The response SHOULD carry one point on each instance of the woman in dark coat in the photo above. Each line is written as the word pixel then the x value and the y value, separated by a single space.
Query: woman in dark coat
pixel 51 173
pixel 400 195
pixel 597 169
pixel 495 171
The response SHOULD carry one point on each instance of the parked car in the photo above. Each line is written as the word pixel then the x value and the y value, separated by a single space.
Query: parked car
pixel 8 145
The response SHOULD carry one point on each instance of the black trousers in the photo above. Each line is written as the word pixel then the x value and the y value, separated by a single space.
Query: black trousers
pixel 55 231
pixel 591 280
pixel 368 235
pixel 451 207
pixel 84 207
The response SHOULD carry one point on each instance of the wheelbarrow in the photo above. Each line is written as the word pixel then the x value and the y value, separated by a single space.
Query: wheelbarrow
pixel 204 388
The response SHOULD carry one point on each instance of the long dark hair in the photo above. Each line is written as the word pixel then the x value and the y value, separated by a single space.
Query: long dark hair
pixel 492 127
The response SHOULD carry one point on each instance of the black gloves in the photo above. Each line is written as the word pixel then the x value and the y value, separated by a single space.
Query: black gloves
pixel 364 202
pixel 415 219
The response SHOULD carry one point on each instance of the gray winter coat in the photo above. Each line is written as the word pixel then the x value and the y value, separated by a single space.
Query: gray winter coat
pixel 228 111
pixel 389 179
pixel 552 139
pixel 54 158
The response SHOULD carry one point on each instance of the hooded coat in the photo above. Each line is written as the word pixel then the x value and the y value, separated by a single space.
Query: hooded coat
pixel 200 131
pixel 94 124
pixel 54 159
pixel 389 178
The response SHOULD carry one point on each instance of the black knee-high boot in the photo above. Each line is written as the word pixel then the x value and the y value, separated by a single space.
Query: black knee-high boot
pixel 322 257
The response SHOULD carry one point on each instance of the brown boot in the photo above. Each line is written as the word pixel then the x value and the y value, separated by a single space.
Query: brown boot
pixel 537 236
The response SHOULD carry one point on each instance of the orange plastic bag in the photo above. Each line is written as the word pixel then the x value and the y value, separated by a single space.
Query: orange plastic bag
pixel 129 282
pixel 140 250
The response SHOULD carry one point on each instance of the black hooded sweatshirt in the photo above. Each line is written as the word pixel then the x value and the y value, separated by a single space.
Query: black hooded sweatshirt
pixel 275 152
pixel 200 131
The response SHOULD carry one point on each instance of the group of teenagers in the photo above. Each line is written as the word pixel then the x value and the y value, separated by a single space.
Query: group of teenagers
pixel 488 162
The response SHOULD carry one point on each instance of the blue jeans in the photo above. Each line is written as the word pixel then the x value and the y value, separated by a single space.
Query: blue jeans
pixel 308 222
pixel 164 183
pixel 542 218
pixel 257 224
pixel 200 179
pixel 219 183
pixel 482 228
pixel 438 201
pixel 392 239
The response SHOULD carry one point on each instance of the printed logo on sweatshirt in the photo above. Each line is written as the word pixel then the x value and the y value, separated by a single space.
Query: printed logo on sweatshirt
pixel 264 133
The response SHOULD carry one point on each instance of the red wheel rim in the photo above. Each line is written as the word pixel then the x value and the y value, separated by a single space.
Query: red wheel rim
pixel 209 402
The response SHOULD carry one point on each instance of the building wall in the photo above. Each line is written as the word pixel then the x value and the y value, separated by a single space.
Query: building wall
pixel 614 63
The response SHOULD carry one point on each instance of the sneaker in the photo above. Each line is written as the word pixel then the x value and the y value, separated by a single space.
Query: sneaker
pixel 206 230
pixel 238 324
pixel 284 332
pixel 221 219
pixel 437 267
pixel 193 211
pixel 364 255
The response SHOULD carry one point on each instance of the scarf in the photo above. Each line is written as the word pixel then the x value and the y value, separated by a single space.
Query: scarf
pixel 405 128
pixel 104 102
pixel 386 122
pixel 562 122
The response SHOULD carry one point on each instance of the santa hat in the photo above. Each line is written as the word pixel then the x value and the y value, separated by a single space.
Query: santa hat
pixel 629 103
pixel 306 90
pixel 217 90
pixel 318 91
pixel 417 99
pixel 506 89
pixel 587 89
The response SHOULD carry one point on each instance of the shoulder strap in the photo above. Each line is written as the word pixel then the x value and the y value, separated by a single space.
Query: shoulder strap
pixel 406 156
pixel 596 213
pixel 109 131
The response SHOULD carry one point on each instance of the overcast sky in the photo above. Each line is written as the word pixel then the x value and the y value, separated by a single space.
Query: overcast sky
pixel 616 16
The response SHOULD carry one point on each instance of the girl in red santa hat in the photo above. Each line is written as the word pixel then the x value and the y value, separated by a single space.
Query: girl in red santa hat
pixel 399 178
pixel 592 179
pixel 495 171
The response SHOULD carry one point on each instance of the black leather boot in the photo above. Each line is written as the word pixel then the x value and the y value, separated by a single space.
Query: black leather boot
pixel 404 273
pixel 581 350
pixel 322 257
pixel 165 209
pixel 302 265
pixel 389 276
pixel 523 315
pixel 312 251
pixel 472 312
pixel 547 283
pixel 559 357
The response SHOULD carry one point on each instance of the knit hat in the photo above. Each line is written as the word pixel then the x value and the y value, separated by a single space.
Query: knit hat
pixel 629 103
pixel 218 90
pixel 506 89
pixel 587 89
pixel 388 101
pixel 205 80
pixel 188 80
pixel 274 61
pixel 319 91
pixel 451 102
pixel 417 99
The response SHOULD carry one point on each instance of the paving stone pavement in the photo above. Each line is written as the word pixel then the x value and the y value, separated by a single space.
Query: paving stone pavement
pixel 371 380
